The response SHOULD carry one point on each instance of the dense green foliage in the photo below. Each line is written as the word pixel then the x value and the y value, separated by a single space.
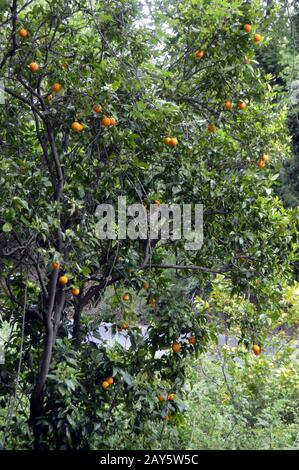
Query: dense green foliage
pixel 144 73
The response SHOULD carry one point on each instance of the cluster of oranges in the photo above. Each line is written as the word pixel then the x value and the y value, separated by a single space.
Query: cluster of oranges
pixel 56 87
pixel 107 382
pixel 171 141
pixel 176 347
pixel 63 280
pixel 229 105
pixel 199 54
pixel 256 37
pixel 170 397
pixel 108 121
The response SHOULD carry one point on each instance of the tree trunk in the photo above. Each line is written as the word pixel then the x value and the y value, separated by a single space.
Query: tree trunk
pixel 37 396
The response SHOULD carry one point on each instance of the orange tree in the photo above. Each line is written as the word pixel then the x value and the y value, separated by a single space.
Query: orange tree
pixel 104 99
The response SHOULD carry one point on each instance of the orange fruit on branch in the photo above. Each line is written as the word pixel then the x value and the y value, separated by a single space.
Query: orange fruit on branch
pixel 160 398
pixel 228 105
pixel 241 105
pixel 106 122
pixel 110 380
pixel 167 140
pixel 126 297
pixel 256 349
pixel 257 38
pixel 77 126
pixel 55 265
pixel 75 291
pixel 97 108
pixel 199 54
pixel 176 347
pixel 261 164
pixel 63 280
pixel 34 67
pixel 192 340
pixel 125 326
pixel 171 397
pixel 105 385
pixel 247 27
pixel 112 121
pixel 56 87
pixel 23 33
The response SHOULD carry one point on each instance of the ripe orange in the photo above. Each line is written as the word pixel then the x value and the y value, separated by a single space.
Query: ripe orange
pixel 265 157
pixel 192 340
pixel 56 87
pixel 160 398
pixel 257 38
pixel 146 285
pixel 171 397
pixel 212 128
pixel 97 108
pixel 105 385
pixel 110 380
pixel 75 291
pixel 23 33
pixel 241 105
pixel 126 297
pixel 77 126
pixel 112 121
pixel 125 326
pixel 199 54
pixel 55 265
pixel 261 164
pixel 34 67
pixel 256 349
pixel 176 347
pixel 63 280
pixel 228 105
pixel 167 140
pixel 247 27
pixel 106 122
